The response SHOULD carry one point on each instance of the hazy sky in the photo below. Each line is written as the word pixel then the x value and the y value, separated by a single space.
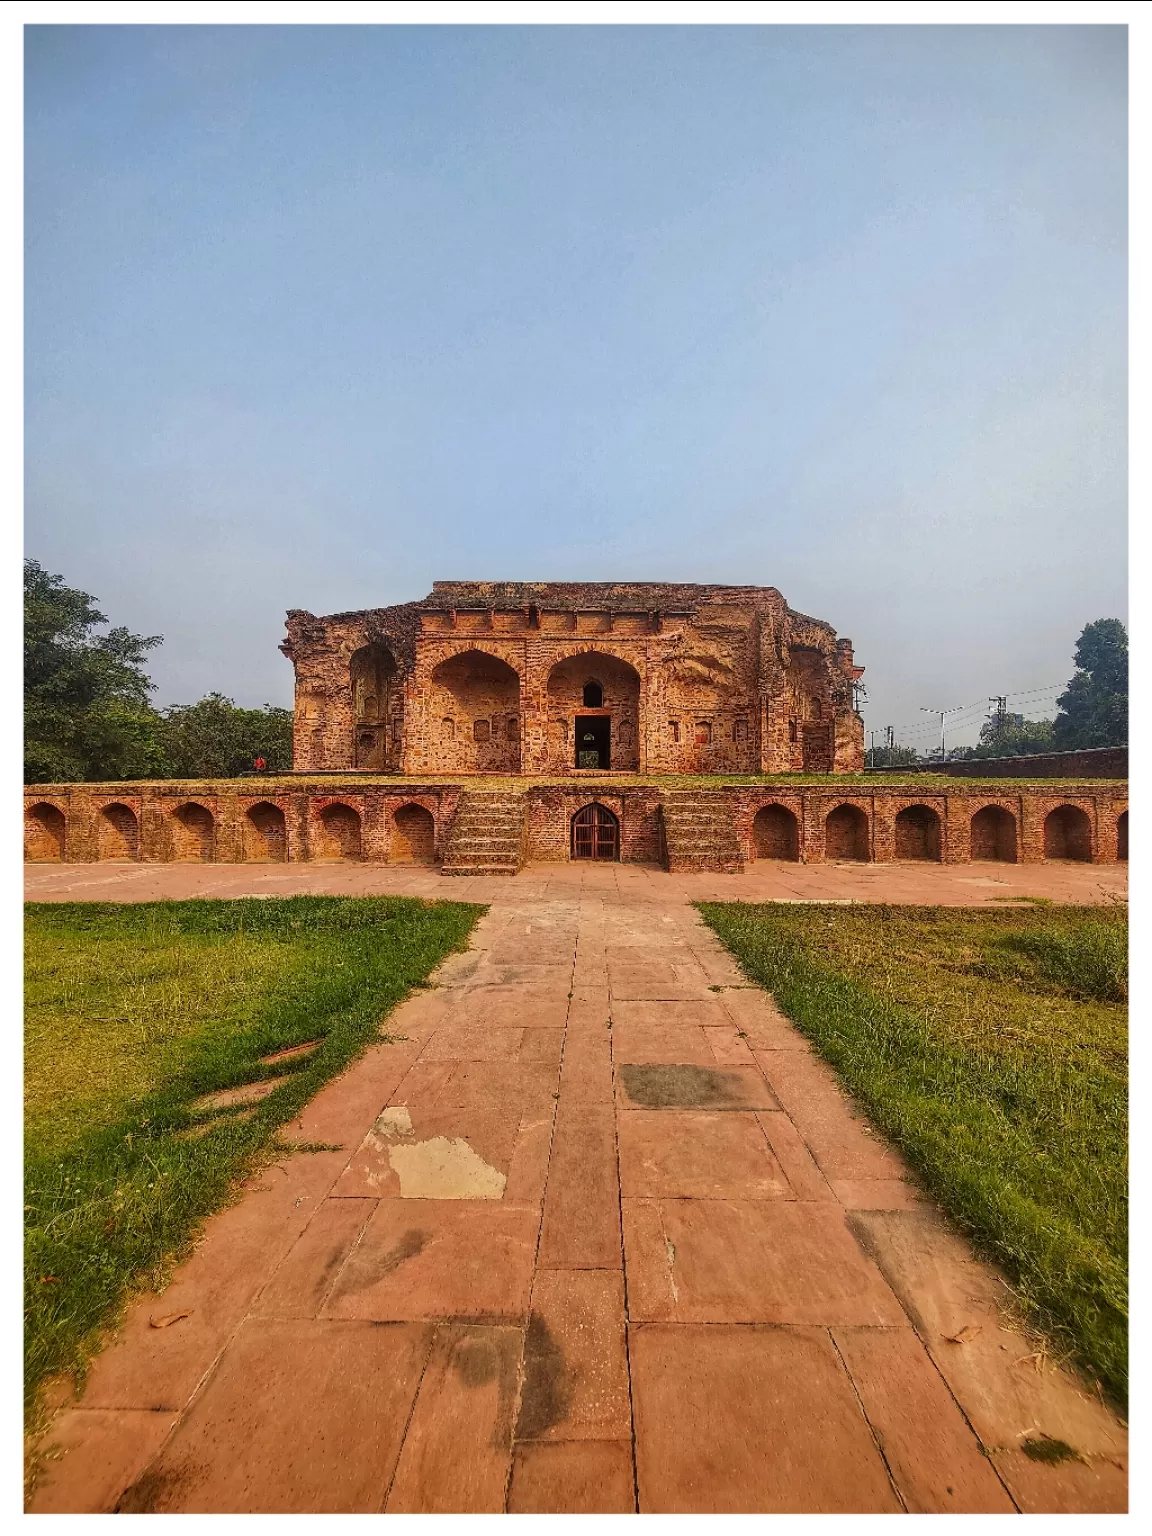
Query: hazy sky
pixel 317 315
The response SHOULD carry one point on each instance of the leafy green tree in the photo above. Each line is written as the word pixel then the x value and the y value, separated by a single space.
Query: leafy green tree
pixel 1013 736
pixel 891 757
pixel 1093 710
pixel 86 709
pixel 214 739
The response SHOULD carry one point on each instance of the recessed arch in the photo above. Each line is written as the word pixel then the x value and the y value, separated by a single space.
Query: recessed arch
pixel 372 677
pixel 846 835
pixel 993 834
pixel 1068 834
pixel 193 833
pixel 480 694
pixel 595 833
pixel 413 835
pixel 918 834
pixel 45 831
pixel 265 834
pixel 776 833
pixel 1122 836
pixel 339 833
pixel 607 734
pixel 118 833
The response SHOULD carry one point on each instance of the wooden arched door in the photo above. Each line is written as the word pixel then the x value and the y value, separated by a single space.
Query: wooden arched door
pixel 595 833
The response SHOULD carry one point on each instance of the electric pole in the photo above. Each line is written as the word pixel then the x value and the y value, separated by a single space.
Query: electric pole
pixel 1001 702
pixel 943 713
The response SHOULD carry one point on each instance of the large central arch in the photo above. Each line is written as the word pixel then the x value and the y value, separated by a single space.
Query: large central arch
pixel 372 675
pixel 593 712
pixel 474 714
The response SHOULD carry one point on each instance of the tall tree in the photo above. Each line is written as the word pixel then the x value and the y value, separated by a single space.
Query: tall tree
pixel 1093 710
pixel 1013 736
pixel 214 739
pixel 86 709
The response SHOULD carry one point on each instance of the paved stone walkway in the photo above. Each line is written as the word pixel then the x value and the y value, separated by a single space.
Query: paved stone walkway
pixel 603 1235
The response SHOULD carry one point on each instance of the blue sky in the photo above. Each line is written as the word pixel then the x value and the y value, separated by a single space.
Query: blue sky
pixel 317 315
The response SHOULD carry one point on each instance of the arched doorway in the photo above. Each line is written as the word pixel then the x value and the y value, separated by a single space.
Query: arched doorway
pixel 918 833
pixel 776 834
pixel 1068 834
pixel 339 833
pixel 413 836
pixel 1122 835
pixel 476 698
pixel 193 834
pixel 44 832
pixel 594 713
pixel 372 670
pixel 265 835
pixel 118 833
pixel 595 833
pixel 993 834
pixel 846 834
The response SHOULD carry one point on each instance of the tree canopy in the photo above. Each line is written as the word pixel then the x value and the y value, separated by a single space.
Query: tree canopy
pixel 1093 710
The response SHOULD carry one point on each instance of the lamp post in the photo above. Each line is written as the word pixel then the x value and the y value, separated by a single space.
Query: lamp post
pixel 943 713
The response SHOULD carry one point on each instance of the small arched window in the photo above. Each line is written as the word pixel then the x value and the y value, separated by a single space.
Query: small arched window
pixel 593 696
pixel 481 730
pixel 791 730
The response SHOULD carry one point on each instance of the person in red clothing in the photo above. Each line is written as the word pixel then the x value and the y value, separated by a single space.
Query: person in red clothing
pixel 260 765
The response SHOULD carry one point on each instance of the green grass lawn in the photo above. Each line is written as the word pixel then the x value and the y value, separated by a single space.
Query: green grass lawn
pixel 133 1012
pixel 991 1047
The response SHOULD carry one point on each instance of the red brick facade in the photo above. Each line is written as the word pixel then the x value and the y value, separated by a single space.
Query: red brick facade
pixel 238 821
pixel 521 678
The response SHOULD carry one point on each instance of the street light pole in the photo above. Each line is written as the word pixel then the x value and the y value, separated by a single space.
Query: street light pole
pixel 943 713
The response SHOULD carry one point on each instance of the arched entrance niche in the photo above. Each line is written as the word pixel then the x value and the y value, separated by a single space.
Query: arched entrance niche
pixel 44 830
pixel 476 699
pixel 918 834
pixel 776 834
pixel 595 833
pixel 584 734
pixel 193 834
pixel 994 835
pixel 117 833
pixel 1068 834
pixel 265 835
pixel 846 834
pixel 338 833
pixel 413 836
pixel 1122 836
pixel 372 672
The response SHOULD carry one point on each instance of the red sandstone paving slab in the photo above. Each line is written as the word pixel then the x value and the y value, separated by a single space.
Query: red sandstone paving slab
pixel 301 1284
pixel 749 1261
pixel 424 1084
pixel 843 1145
pixel 699 1014
pixel 634 985
pixel 520 1007
pixel 499 1084
pixel 797 1163
pixel 528 1173
pixel 586 1075
pixel 93 1455
pixel 456 1453
pixel 345 1107
pixel 431 1259
pixel 728 1048
pixel 581 1227
pixel 462 1042
pixel 670 1154
pixel 1095 1486
pixel 491 974
pixel 590 1009
pixel 576 1477
pixel 757 1015
pixel 688 1085
pixel 159 1368
pixel 413 1149
pixel 299 1418
pixel 660 1042
pixel 936 1461
pixel 750 1420
pixel 879 1194
pixel 993 1374
pixel 575 1366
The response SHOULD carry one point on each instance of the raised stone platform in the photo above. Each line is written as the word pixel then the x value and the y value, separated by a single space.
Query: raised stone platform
pixel 470 826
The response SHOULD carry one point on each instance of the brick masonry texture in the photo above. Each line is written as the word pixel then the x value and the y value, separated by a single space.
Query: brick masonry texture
pixel 1093 763
pixel 708 827
pixel 493 677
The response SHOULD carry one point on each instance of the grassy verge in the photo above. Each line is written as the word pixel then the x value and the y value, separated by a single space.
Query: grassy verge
pixel 991 1047
pixel 133 1013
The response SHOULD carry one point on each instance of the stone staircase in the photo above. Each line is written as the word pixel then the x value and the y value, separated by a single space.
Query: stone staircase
pixel 487 836
pixel 699 833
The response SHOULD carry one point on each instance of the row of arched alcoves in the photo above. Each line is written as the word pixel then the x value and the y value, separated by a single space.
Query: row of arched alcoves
pixel 336 834
pixel 993 834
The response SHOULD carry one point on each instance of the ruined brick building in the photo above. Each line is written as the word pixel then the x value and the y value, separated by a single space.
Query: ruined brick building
pixel 551 678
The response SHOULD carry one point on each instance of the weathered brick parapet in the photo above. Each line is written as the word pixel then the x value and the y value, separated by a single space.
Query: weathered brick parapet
pixel 702 825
